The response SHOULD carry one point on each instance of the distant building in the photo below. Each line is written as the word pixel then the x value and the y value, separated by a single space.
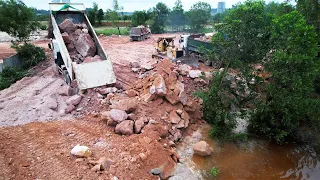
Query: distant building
pixel 221 7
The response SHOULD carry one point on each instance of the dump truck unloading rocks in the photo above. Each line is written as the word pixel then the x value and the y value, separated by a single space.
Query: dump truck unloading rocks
pixel 78 53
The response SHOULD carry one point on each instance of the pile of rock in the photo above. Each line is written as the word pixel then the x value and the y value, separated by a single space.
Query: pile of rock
pixel 78 41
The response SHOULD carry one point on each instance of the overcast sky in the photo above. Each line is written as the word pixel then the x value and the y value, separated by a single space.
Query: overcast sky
pixel 132 5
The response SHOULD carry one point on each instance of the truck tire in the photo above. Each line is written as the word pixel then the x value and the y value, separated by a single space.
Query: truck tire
pixel 66 77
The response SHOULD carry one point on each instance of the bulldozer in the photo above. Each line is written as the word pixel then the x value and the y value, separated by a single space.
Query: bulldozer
pixel 165 48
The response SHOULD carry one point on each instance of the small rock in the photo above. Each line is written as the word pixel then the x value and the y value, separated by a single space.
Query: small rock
pixel 142 156
pixel 104 115
pixel 138 125
pixel 134 64
pixel 51 103
pixel 96 168
pixel 125 127
pixel 105 163
pixel 74 100
pixel 65 91
pixel 185 115
pixel 132 116
pixel 183 97
pixel 108 90
pixel 69 108
pixel 156 171
pixel 118 115
pixel 79 160
pixel 81 151
pixel 159 86
pixel 179 111
pixel 172 144
pixel 174 118
pixel 172 97
pixel 135 70
pixel 195 73
pixel 165 145
pixel 180 124
pixel 131 93
pixel 202 148
pixel 148 97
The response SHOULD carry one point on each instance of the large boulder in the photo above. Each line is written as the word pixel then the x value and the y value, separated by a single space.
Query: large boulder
pixel 174 117
pixel 81 151
pixel 128 105
pixel 85 45
pixel 118 115
pixel 74 100
pixel 195 73
pixel 202 148
pixel 125 127
pixel 66 38
pixel 159 86
pixel 107 90
pixel 67 26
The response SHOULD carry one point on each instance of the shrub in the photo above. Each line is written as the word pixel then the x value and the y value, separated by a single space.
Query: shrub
pixel 9 76
pixel 288 104
pixel 29 54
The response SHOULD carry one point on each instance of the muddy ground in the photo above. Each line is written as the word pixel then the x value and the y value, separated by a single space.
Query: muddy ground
pixel 33 146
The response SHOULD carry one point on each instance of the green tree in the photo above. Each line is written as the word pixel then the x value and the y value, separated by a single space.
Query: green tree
pixel 289 105
pixel 310 9
pixel 278 9
pixel 17 19
pixel 114 13
pixel 177 17
pixel 138 18
pixel 100 15
pixel 159 17
pixel 199 15
pixel 92 14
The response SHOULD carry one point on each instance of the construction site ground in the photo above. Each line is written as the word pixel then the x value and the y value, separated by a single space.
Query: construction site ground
pixel 35 140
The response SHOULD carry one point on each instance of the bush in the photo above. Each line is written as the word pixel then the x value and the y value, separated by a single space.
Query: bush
pixel 9 76
pixel 43 27
pixel 289 104
pixel 30 54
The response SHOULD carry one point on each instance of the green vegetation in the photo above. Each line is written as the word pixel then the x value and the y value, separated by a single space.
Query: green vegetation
pixel 278 100
pixel 108 31
pixel 139 18
pixel 159 16
pixel 17 19
pixel 113 15
pixel 177 18
pixel 214 171
pixel 92 13
pixel 10 75
pixel 199 15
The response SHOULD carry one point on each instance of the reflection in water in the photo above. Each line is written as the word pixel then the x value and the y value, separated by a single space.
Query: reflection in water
pixel 257 159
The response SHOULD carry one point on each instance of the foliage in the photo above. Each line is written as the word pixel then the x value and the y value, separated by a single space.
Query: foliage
pixel 100 15
pixel 110 31
pixel 288 104
pixel 10 75
pixel 278 9
pixel 247 30
pixel 113 14
pixel 215 171
pixel 139 18
pixel 29 54
pixel 92 14
pixel 219 106
pixel 159 16
pixel 17 19
pixel 176 16
pixel 199 15
pixel 310 9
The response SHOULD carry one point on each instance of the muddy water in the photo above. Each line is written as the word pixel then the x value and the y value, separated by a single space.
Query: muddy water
pixel 255 159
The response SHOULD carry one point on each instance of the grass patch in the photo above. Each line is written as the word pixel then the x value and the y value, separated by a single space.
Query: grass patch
pixel 109 31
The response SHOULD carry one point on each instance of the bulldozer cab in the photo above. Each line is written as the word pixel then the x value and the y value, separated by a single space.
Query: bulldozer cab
pixel 164 42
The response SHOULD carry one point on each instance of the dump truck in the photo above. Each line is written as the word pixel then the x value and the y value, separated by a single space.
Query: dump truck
pixel 139 33
pixel 89 74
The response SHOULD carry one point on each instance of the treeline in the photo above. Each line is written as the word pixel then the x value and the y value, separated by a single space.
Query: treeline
pixel 157 17
pixel 273 48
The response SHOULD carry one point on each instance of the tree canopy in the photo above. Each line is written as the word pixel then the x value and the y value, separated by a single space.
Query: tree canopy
pixel 199 15
pixel 17 19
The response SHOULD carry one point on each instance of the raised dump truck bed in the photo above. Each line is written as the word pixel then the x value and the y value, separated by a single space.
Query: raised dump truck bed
pixel 87 74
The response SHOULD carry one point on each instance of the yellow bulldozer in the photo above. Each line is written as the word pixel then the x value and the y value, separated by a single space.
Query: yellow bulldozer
pixel 165 48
